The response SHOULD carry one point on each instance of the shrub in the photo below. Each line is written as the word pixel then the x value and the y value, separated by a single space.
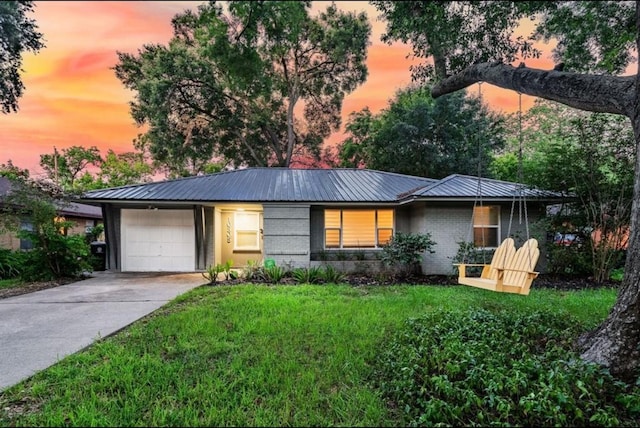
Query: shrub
pixel 54 255
pixel 480 368
pixel 617 274
pixel 10 264
pixel 331 275
pixel 311 275
pixel 253 271
pixel 212 272
pixel 404 251
pixel 274 273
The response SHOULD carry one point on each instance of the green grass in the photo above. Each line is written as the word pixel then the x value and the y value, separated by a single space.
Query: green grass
pixel 254 355
pixel 9 283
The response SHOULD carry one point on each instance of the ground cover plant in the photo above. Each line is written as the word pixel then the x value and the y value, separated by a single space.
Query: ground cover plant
pixel 265 355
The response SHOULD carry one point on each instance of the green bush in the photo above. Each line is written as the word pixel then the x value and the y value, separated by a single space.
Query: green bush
pixel 331 275
pixel 274 274
pixel 311 275
pixel 617 274
pixel 54 255
pixel 404 251
pixel 479 368
pixel 574 259
pixel 10 264
pixel 253 271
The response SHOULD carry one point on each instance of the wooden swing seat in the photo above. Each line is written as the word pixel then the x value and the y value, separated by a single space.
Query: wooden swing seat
pixel 510 271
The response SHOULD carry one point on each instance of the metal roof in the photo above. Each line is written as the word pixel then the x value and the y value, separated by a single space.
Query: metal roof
pixel 464 186
pixel 272 185
pixel 79 210
pixel 62 207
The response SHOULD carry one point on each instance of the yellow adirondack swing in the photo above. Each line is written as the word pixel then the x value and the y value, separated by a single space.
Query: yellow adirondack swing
pixel 510 271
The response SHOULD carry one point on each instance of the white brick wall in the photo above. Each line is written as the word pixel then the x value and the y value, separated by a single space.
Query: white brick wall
pixel 286 234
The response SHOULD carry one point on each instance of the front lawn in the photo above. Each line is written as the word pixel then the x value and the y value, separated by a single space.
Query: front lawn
pixel 9 283
pixel 257 355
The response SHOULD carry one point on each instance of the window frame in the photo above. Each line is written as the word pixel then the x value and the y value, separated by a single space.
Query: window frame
pixel 236 229
pixel 497 226
pixel 340 229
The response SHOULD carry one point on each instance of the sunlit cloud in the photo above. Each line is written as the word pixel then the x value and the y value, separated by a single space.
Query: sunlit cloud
pixel 73 97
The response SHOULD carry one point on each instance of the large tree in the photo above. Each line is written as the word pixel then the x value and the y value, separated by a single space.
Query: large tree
pixel 254 84
pixel 18 34
pixel 595 45
pixel 418 135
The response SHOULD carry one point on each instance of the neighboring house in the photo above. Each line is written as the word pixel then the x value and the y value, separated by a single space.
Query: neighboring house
pixel 83 217
pixel 300 217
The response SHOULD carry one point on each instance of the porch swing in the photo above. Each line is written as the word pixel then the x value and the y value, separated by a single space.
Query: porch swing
pixel 510 270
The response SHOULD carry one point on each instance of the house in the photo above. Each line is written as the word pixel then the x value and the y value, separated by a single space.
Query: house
pixel 82 216
pixel 299 217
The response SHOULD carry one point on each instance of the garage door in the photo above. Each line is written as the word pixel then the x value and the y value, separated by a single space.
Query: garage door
pixel 158 240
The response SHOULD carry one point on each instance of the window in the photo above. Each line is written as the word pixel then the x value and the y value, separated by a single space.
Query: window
pixel 25 243
pixel 247 231
pixel 357 228
pixel 486 226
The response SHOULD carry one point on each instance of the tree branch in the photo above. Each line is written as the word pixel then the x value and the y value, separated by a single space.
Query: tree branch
pixel 596 93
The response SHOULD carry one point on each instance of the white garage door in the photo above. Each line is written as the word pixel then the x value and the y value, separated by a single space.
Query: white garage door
pixel 158 240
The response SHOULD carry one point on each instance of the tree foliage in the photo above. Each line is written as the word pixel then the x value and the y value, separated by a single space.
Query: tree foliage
pixel 594 44
pixel 589 156
pixel 77 169
pixel 418 135
pixel 68 166
pixel 18 34
pixel 230 84
pixel 123 169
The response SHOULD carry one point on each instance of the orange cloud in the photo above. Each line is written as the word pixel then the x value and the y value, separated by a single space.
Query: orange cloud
pixel 72 96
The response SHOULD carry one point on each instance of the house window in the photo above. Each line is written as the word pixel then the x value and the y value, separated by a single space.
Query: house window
pixel 247 231
pixel 25 243
pixel 357 228
pixel 486 226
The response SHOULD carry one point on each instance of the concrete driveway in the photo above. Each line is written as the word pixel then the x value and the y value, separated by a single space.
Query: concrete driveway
pixel 39 329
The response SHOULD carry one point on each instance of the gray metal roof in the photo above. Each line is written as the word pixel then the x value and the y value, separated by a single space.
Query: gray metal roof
pixel 464 186
pixel 79 210
pixel 272 185
pixel 63 207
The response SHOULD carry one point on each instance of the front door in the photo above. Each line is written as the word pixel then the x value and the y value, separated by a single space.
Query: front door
pixel 241 237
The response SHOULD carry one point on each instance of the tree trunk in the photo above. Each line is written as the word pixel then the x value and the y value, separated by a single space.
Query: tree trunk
pixel 615 344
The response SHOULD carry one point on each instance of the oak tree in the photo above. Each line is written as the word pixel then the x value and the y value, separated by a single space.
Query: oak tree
pixel 252 84
pixel 595 41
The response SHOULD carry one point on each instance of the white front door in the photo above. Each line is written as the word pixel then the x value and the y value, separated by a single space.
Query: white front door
pixel 158 240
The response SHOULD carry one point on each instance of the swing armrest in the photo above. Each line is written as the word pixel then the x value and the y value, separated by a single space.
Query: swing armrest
pixel 462 268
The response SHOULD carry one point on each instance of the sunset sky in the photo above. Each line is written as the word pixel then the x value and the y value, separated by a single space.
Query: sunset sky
pixel 72 96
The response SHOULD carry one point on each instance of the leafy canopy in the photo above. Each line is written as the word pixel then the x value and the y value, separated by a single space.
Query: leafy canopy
pixel 18 34
pixel 449 36
pixel 418 135
pixel 257 84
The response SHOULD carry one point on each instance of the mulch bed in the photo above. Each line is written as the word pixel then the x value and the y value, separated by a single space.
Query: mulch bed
pixel 556 282
pixel 33 286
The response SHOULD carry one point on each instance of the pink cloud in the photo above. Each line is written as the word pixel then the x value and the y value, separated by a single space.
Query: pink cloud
pixel 73 97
